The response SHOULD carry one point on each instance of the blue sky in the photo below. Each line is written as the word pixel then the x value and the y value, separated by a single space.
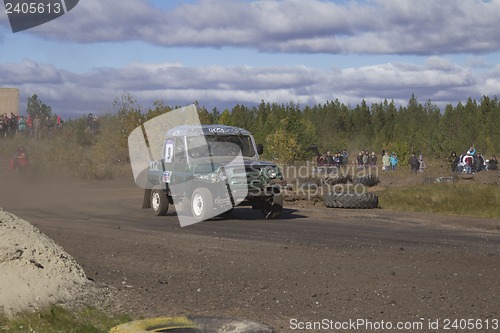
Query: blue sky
pixel 220 53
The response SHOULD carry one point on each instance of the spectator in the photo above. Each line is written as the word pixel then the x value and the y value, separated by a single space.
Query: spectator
pixel 386 161
pixel 49 125
pixel 21 126
pixel 2 125
pixel 366 159
pixel 29 125
pixel 20 160
pixel 493 163
pixel 329 158
pixel 414 163
pixel 472 151
pixel 359 159
pixel 468 162
pixel 345 157
pixel 479 165
pixel 394 161
pixel 320 159
pixel 453 160
pixel 12 124
pixel 59 124
pixel 337 159
pixel 373 159
pixel 90 123
pixel 37 124
pixel 95 125
pixel 421 164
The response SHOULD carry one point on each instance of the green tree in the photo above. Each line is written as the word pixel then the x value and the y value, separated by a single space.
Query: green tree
pixel 282 145
pixel 159 107
pixel 35 107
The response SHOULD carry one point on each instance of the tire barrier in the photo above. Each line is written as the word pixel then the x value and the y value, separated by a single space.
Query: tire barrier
pixel 351 200
pixel 368 180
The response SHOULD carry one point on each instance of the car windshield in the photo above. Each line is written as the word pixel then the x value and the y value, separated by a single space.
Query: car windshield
pixel 220 145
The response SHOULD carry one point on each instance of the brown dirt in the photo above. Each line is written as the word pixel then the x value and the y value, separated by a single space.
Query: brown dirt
pixel 313 264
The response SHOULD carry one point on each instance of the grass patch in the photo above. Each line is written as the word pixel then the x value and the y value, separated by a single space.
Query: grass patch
pixel 57 319
pixel 469 199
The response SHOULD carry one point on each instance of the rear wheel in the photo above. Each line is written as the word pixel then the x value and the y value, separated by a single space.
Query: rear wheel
pixel 159 202
pixel 202 204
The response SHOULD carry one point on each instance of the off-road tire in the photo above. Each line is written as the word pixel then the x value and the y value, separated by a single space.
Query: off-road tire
pixel 351 200
pixel 368 180
pixel 273 209
pixel 159 202
pixel 335 180
pixel 202 204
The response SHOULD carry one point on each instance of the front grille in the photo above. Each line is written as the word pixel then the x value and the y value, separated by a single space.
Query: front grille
pixel 249 177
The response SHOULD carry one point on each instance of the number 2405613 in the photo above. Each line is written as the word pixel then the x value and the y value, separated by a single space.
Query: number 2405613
pixel 33 8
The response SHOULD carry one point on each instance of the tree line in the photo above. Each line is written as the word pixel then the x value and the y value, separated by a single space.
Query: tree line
pixel 287 130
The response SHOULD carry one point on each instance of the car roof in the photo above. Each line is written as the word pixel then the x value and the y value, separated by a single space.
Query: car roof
pixel 195 130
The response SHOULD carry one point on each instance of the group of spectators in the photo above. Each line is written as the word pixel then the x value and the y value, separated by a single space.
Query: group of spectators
pixel 471 162
pixel 364 159
pixel 340 158
pixel 9 124
pixel 417 164
pixel 37 128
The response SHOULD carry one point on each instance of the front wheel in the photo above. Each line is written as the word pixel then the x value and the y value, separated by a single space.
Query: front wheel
pixel 202 204
pixel 159 202
pixel 273 208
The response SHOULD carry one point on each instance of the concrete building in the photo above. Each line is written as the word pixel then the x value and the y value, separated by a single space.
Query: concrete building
pixel 9 100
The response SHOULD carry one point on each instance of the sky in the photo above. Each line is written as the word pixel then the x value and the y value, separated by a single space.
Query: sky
pixel 227 52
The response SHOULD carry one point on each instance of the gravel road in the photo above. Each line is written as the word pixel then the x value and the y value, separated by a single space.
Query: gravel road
pixel 337 267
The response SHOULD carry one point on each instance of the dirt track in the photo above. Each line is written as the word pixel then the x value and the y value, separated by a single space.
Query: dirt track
pixel 313 264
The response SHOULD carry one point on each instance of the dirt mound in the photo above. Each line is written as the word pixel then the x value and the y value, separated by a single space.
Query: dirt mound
pixel 35 271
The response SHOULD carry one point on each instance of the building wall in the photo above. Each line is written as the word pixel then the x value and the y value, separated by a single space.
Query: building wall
pixel 9 100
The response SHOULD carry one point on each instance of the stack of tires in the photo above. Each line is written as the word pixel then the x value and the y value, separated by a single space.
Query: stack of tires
pixel 354 200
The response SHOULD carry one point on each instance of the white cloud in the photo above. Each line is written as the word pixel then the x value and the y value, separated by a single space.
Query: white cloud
pixel 72 94
pixel 423 27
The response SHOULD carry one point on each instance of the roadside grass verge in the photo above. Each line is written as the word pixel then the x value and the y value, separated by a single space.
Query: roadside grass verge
pixel 57 319
pixel 470 199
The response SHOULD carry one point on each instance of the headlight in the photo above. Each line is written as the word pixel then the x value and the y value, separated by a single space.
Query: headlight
pixel 222 176
pixel 272 173
pixel 213 178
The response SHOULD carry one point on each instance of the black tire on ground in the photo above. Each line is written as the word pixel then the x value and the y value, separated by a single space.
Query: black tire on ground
pixel 202 204
pixel 159 202
pixel 368 180
pixel 337 180
pixel 272 210
pixel 351 200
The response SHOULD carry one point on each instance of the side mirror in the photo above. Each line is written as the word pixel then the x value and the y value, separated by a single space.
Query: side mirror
pixel 260 149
